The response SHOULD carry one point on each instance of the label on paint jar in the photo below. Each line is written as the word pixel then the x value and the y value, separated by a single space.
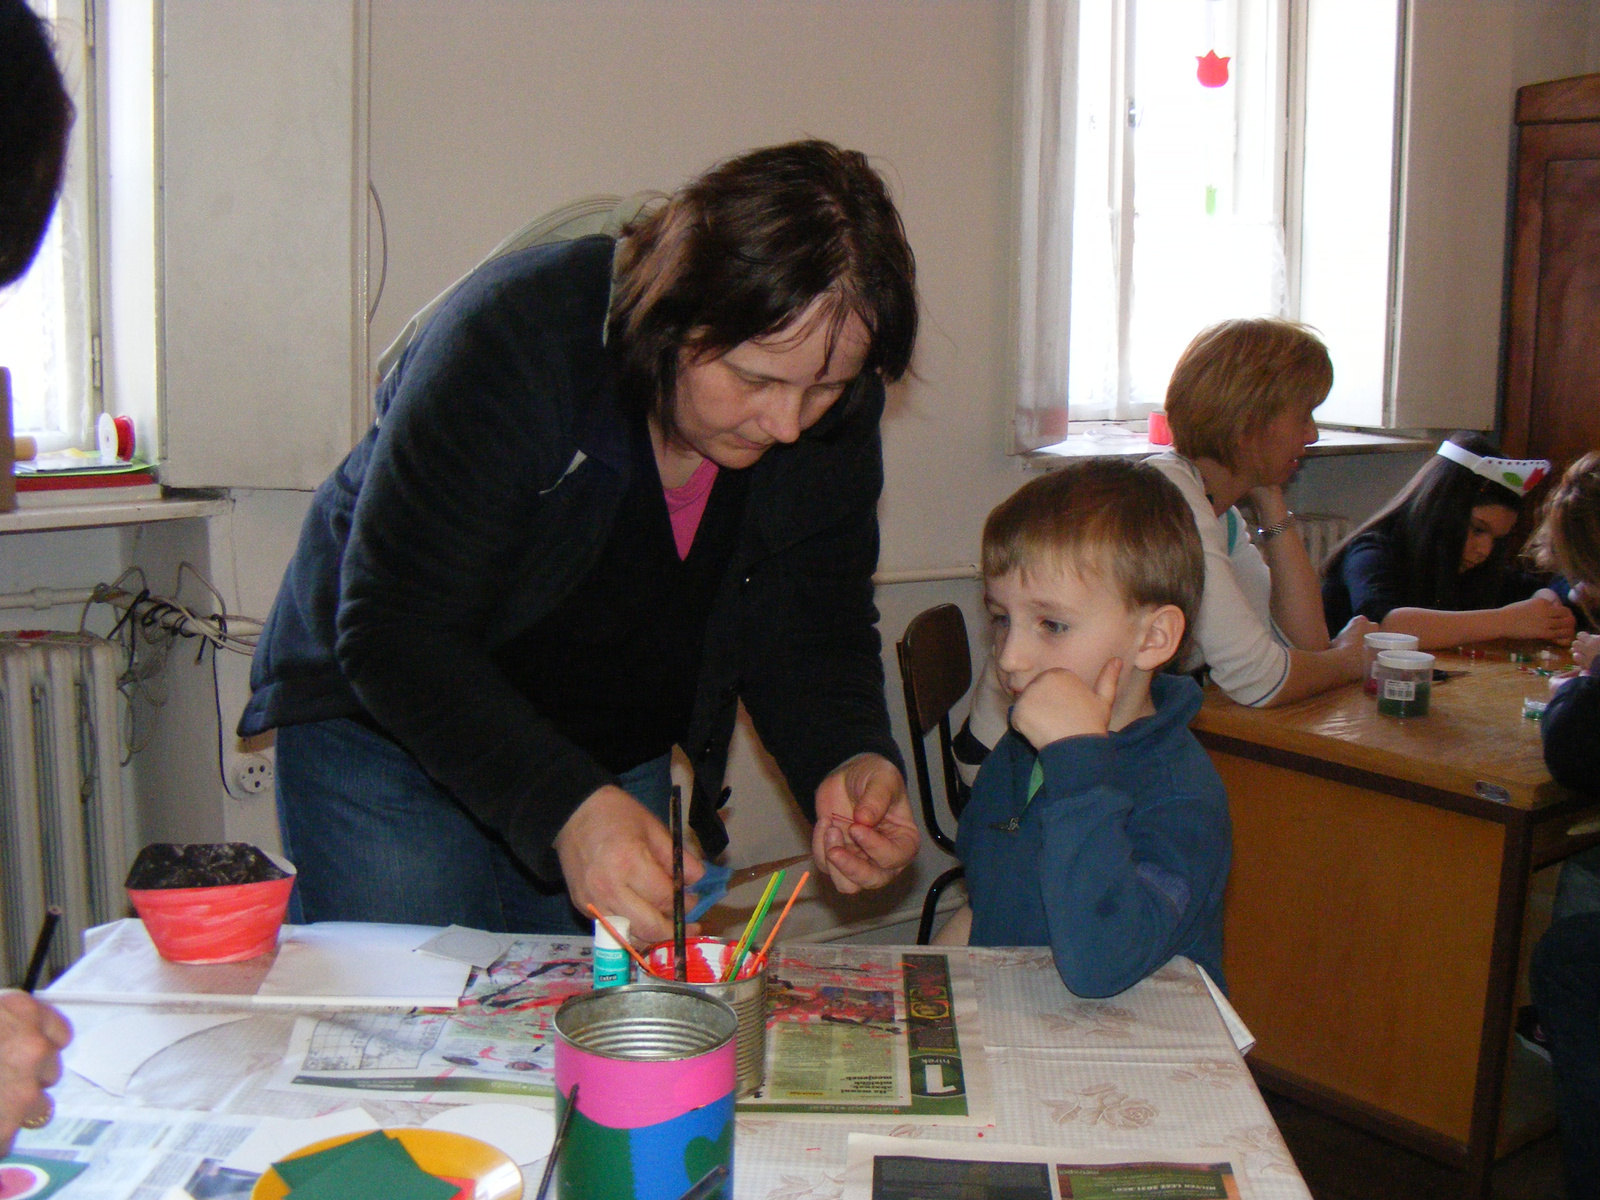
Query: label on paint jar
pixel 612 966
pixel 1404 698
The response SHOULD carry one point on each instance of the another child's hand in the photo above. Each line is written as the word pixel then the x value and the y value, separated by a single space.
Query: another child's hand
pixel 1541 616
pixel 1057 704
pixel 1585 647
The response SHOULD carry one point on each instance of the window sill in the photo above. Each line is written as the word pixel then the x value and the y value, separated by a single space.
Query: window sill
pixel 1108 439
pixel 174 506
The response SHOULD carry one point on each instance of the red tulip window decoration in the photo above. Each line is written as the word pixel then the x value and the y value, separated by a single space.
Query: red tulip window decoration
pixel 1213 70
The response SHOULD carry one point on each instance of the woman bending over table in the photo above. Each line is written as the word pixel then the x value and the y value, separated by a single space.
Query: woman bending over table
pixel 1432 562
pixel 616 487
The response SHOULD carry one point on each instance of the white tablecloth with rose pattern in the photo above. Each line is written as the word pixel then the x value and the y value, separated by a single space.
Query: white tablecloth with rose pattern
pixel 1149 1071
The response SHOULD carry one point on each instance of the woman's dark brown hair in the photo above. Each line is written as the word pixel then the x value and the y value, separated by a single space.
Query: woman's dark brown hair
pixel 743 250
pixel 35 119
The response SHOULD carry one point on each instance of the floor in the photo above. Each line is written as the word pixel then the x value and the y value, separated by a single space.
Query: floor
pixel 1340 1162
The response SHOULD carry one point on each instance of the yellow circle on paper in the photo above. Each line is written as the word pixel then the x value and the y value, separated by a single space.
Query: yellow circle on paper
pixel 436 1151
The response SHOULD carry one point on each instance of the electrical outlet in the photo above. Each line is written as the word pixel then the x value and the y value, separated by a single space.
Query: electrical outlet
pixel 251 776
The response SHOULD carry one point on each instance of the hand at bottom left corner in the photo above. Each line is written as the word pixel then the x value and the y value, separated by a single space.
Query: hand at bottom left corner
pixel 32 1036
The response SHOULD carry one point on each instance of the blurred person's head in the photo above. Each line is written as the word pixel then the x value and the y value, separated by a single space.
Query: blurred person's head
pixel 35 121
pixel 1568 537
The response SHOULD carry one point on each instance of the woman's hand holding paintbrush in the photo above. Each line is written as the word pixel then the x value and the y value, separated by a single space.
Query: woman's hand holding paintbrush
pixel 617 856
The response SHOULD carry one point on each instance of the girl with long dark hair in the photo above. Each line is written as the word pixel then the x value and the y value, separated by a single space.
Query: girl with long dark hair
pixel 1434 561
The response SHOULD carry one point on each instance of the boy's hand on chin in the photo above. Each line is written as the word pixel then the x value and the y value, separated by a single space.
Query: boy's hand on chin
pixel 1057 704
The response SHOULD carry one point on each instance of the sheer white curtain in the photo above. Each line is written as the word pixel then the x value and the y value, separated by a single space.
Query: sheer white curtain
pixel 1049 135
pixel 1152 195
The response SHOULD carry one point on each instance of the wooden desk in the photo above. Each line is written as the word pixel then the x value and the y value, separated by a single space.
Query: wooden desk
pixel 1375 909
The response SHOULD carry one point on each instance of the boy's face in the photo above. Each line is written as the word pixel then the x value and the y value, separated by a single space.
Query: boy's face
pixel 1060 618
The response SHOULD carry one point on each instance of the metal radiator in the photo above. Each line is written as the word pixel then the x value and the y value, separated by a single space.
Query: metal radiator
pixel 1321 532
pixel 66 826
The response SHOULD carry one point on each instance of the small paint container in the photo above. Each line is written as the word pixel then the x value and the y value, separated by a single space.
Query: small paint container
pixel 747 996
pixel 1159 432
pixel 653 1065
pixel 1374 644
pixel 613 967
pixel 1533 708
pixel 1405 682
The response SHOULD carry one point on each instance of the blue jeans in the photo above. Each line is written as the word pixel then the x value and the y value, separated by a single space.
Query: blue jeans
pixel 375 839
pixel 1566 990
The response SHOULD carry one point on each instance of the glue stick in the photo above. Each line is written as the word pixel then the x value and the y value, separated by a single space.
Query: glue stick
pixel 612 966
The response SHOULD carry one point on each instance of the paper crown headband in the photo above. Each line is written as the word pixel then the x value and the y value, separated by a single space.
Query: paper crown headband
pixel 1520 475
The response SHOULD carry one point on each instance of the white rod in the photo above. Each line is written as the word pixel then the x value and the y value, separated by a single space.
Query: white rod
pixel 926 575
pixel 43 598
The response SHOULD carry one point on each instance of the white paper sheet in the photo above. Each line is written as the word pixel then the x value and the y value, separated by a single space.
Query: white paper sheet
pixel 122 967
pixel 475 947
pixel 109 1054
pixel 1243 1040
pixel 279 1137
pixel 350 963
pixel 343 964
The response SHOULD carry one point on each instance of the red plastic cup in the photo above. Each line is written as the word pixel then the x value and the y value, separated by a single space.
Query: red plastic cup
pixel 1160 433
pixel 222 924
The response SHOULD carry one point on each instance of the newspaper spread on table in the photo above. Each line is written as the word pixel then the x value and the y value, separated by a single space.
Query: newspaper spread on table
pixel 853 1031
pixel 496 1044
pixel 869 1031
pixel 137 1154
pixel 887 1168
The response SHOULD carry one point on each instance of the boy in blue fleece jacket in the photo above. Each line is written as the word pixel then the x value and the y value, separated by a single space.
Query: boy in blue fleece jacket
pixel 1097 825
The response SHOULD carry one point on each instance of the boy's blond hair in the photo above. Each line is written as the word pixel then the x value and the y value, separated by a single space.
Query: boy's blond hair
pixel 1235 377
pixel 1121 520
pixel 1568 537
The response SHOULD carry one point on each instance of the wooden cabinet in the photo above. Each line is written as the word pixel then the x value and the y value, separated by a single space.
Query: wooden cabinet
pixel 1552 396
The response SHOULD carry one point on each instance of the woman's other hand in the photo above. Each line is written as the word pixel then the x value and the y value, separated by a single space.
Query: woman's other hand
pixel 864 833
pixel 617 856
pixel 1585 646
pixel 32 1036
pixel 1542 616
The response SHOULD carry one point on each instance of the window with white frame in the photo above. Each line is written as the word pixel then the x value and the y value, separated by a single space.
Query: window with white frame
pixel 48 317
pixel 1187 161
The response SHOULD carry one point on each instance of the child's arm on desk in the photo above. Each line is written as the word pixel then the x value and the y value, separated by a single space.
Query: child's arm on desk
pixel 1118 888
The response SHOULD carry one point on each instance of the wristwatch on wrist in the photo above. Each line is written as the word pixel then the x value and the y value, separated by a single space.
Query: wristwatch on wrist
pixel 1265 534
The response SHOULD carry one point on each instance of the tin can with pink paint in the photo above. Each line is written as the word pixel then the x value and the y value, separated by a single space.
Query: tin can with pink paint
pixel 655 1069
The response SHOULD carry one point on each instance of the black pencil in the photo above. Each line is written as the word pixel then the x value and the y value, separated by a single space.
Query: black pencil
pixel 680 959
pixel 555 1146
pixel 710 1184
pixel 41 948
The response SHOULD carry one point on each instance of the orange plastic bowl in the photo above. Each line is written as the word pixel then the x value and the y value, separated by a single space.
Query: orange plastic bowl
pixel 221 924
